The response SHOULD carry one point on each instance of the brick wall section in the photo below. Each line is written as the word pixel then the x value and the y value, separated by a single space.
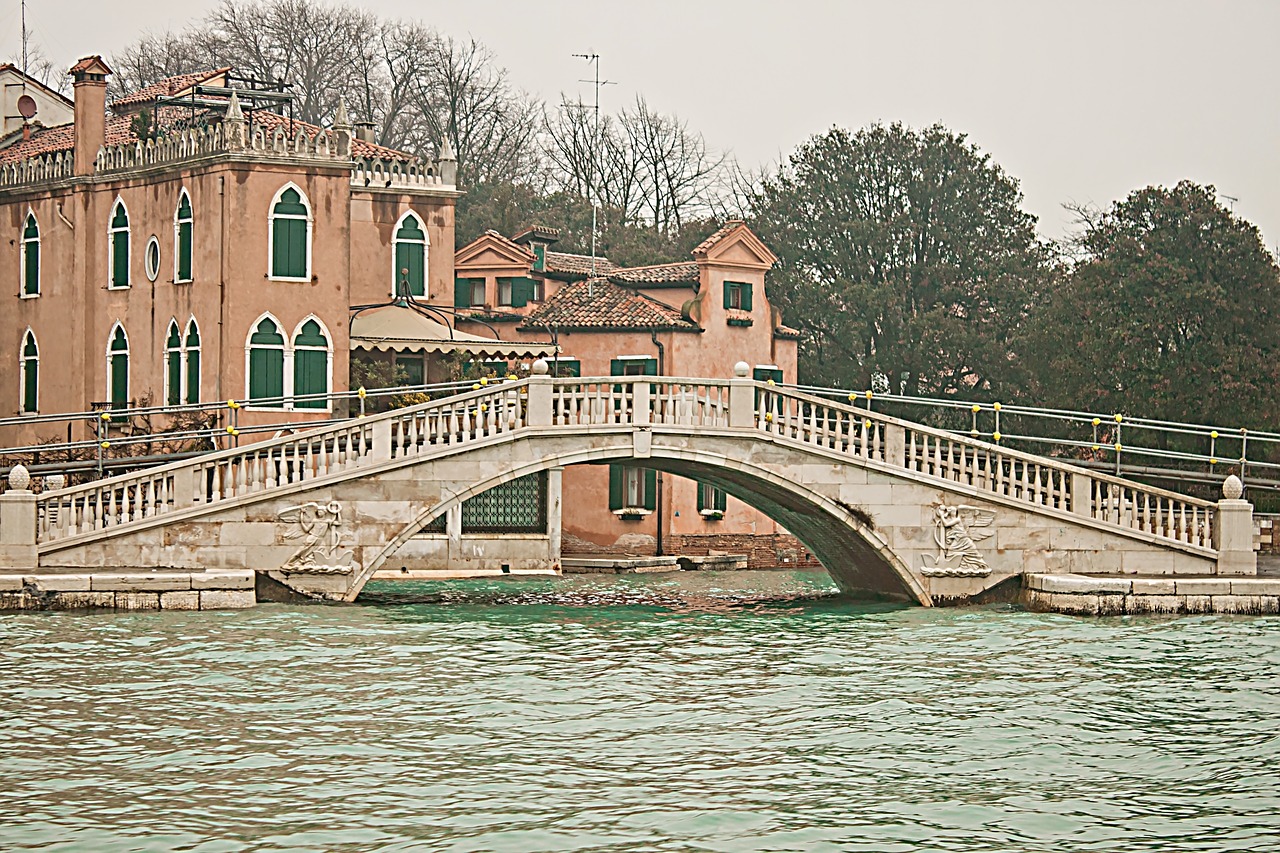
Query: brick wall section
pixel 763 551
pixel 1264 533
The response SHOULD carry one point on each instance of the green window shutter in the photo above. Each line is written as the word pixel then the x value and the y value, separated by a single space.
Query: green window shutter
pixel 728 294
pixel 539 258
pixel 702 489
pixel 651 367
pixel 120 259
pixel 310 376
pixel 616 367
pixel 650 488
pixel 266 373
pixel 719 496
pixel 290 203
pixel 31 285
pixel 746 297
pixel 522 292
pixel 119 381
pixel 174 395
pixel 568 367
pixel 30 385
pixel 184 251
pixel 193 374
pixel 462 293
pixel 615 487
pixel 289 248
pixel 411 370
pixel 411 257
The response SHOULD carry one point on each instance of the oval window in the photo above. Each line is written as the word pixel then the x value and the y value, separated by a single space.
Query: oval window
pixel 153 258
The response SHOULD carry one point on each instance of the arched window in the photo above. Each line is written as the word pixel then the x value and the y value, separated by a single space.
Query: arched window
pixel 119 239
pixel 410 255
pixel 266 363
pixel 310 365
pixel 173 366
pixel 30 374
pixel 191 349
pixel 31 256
pixel 182 235
pixel 290 245
pixel 118 368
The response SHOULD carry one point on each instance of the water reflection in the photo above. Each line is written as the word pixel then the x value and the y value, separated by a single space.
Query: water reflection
pixel 637 713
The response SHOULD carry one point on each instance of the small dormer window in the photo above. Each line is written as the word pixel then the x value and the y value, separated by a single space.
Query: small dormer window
pixel 737 295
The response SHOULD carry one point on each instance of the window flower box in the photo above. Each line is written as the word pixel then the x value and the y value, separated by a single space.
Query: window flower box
pixel 712 514
pixel 631 513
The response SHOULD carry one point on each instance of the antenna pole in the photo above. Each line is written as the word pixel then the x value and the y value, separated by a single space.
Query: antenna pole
pixel 24 44
pixel 592 189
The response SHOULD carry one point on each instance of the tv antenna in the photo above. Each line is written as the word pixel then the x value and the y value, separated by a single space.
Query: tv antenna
pixel 592 188
pixel 24 45
pixel 1231 199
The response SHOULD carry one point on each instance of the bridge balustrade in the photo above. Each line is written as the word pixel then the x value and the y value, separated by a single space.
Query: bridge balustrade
pixel 570 403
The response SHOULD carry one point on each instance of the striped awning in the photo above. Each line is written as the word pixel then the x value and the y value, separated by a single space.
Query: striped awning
pixel 393 327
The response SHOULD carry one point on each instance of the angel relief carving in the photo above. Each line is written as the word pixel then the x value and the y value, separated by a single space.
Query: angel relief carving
pixel 319 526
pixel 957 530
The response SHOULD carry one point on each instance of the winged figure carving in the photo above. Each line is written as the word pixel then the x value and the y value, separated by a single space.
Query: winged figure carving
pixel 319 526
pixel 957 530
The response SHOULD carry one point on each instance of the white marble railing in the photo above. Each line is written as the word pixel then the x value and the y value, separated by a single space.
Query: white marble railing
pixel 34 170
pixel 573 405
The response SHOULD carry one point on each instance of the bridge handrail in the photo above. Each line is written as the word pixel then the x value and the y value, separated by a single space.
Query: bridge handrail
pixel 232 472
pixel 988 467
pixel 505 406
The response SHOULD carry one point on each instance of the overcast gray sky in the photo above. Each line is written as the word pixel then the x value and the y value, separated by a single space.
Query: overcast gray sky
pixel 1081 100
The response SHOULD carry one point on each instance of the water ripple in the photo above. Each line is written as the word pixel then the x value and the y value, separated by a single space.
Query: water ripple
pixel 637 714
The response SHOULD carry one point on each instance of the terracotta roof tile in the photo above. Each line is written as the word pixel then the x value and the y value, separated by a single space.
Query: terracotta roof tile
pixel 721 232
pixel 359 148
pixel 680 273
pixel 88 62
pixel 563 262
pixel 167 87
pixel 537 232
pixel 600 304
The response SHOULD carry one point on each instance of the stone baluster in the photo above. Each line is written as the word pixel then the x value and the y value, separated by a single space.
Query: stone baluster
pixel 18 522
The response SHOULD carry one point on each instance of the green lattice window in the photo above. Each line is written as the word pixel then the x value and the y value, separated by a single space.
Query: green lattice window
pixel 182 227
pixel 290 236
pixel 711 500
pixel 737 294
pixel 31 257
pixel 410 258
pixel 468 292
pixel 119 234
pixel 632 488
pixel 517 292
pixel 519 506
pixel 311 366
pixel 30 374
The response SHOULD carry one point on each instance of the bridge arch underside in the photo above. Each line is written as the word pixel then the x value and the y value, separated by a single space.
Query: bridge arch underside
pixel 858 558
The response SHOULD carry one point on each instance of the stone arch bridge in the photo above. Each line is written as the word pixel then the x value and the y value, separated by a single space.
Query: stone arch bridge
pixel 890 508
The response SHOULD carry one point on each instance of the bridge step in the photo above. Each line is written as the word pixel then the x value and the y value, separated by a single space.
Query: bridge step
pixel 1116 595
pixel 212 590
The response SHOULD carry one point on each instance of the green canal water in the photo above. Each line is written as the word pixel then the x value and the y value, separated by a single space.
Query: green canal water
pixel 734 712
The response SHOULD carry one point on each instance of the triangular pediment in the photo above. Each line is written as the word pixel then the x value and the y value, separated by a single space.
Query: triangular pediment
pixel 737 246
pixel 491 249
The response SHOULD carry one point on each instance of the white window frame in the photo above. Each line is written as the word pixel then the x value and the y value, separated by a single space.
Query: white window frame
pixel 22 372
pixel 127 230
pixel 186 350
pixel 271 243
pixel 152 271
pixel 291 348
pixel 286 381
pixel 426 254
pixel 22 277
pixel 509 284
pixel 111 336
pixel 177 249
pixel 483 284
pixel 633 483
pixel 182 363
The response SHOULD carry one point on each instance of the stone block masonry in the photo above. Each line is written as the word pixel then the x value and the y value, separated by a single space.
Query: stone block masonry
pixel 214 590
pixel 1092 595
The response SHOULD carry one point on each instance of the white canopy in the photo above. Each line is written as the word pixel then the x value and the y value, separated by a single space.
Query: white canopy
pixel 395 328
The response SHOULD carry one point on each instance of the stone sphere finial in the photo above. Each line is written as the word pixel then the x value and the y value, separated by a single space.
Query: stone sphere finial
pixel 540 367
pixel 53 482
pixel 1232 488
pixel 742 370
pixel 19 479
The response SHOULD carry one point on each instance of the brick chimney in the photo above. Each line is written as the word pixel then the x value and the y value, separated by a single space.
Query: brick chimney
pixel 89 76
